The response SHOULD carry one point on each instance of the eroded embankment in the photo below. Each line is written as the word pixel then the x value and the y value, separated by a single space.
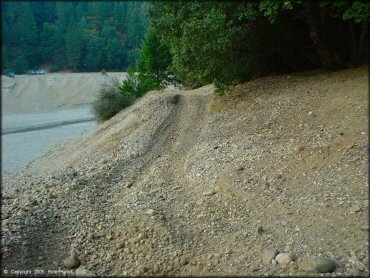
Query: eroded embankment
pixel 186 183
pixel 47 93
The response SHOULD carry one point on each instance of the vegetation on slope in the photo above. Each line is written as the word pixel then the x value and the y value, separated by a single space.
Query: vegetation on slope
pixel 234 41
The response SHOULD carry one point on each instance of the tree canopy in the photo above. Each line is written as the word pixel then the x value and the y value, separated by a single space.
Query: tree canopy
pixel 76 35
pixel 232 41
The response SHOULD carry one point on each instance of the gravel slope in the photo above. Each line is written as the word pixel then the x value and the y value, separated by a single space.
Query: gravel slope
pixel 188 183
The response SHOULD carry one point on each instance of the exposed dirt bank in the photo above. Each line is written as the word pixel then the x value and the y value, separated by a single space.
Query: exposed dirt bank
pixel 187 183
pixel 50 92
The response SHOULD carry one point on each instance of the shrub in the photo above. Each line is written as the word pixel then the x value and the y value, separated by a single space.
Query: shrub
pixel 137 84
pixel 221 87
pixel 110 101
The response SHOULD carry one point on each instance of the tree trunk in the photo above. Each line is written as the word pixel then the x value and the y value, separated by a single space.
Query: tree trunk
pixel 318 23
pixel 363 45
pixel 352 33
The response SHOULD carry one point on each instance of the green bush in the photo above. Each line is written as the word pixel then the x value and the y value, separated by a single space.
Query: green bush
pixel 110 101
pixel 137 84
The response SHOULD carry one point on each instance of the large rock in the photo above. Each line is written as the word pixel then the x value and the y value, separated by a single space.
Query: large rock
pixel 284 258
pixel 72 261
pixel 317 264
pixel 268 255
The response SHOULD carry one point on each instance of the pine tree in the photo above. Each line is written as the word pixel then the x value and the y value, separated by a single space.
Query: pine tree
pixel 28 35
pixel 74 46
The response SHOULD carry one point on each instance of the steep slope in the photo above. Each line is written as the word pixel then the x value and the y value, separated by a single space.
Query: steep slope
pixel 188 183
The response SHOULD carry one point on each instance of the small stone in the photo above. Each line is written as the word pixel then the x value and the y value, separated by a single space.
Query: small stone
pixel 355 209
pixel 142 269
pixel 5 215
pixel 284 258
pixel 156 269
pixel 209 193
pixel 260 230
pixel 268 255
pixel 199 202
pixel 184 261
pixel 72 261
pixel 25 243
pixel 129 185
pixel 120 245
pixel 365 228
pixel 316 264
pixel 150 212
pixel 360 266
pixel 298 149
pixel 337 183
pixel 90 236
pixel 357 158
pixel 240 168
pixel 51 196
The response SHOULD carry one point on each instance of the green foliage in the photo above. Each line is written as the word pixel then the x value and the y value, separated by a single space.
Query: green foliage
pixel 28 34
pixel 154 58
pixel 55 68
pixel 133 56
pixel 202 36
pixel 359 12
pixel 152 68
pixel 21 64
pixel 228 42
pixel 110 101
pixel 221 88
pixel 84 36
pixel 136 84
pixel 73 46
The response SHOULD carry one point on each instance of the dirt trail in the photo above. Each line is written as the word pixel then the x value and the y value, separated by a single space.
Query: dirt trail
pixel 188 183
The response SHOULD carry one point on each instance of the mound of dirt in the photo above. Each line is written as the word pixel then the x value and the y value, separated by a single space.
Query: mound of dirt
pixel 189 183
pixel 50 92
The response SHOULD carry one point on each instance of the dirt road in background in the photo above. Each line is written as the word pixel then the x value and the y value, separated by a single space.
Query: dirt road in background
pixel 41 110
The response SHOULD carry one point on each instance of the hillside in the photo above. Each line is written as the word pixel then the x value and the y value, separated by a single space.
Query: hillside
pixel 189 183
pixel 48 93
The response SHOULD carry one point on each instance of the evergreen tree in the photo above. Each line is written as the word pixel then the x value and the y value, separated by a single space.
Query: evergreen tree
pixel 28 35
pixel 154 58
pixel 21 64
pixel 74 46
pixel 48 41
pixel 57 33
pixel 115 54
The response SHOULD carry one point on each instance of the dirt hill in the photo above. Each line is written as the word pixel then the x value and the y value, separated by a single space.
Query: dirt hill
pixel 189 183
pixel 50 92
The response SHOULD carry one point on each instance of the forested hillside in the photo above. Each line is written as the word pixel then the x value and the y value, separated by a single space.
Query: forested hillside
pixel 80 36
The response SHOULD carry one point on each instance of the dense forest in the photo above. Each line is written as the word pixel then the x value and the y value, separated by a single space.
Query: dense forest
pixel 78 35
pixel 232 41
pixel 195 42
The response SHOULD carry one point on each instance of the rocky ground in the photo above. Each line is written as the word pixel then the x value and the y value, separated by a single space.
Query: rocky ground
pixel 270 179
